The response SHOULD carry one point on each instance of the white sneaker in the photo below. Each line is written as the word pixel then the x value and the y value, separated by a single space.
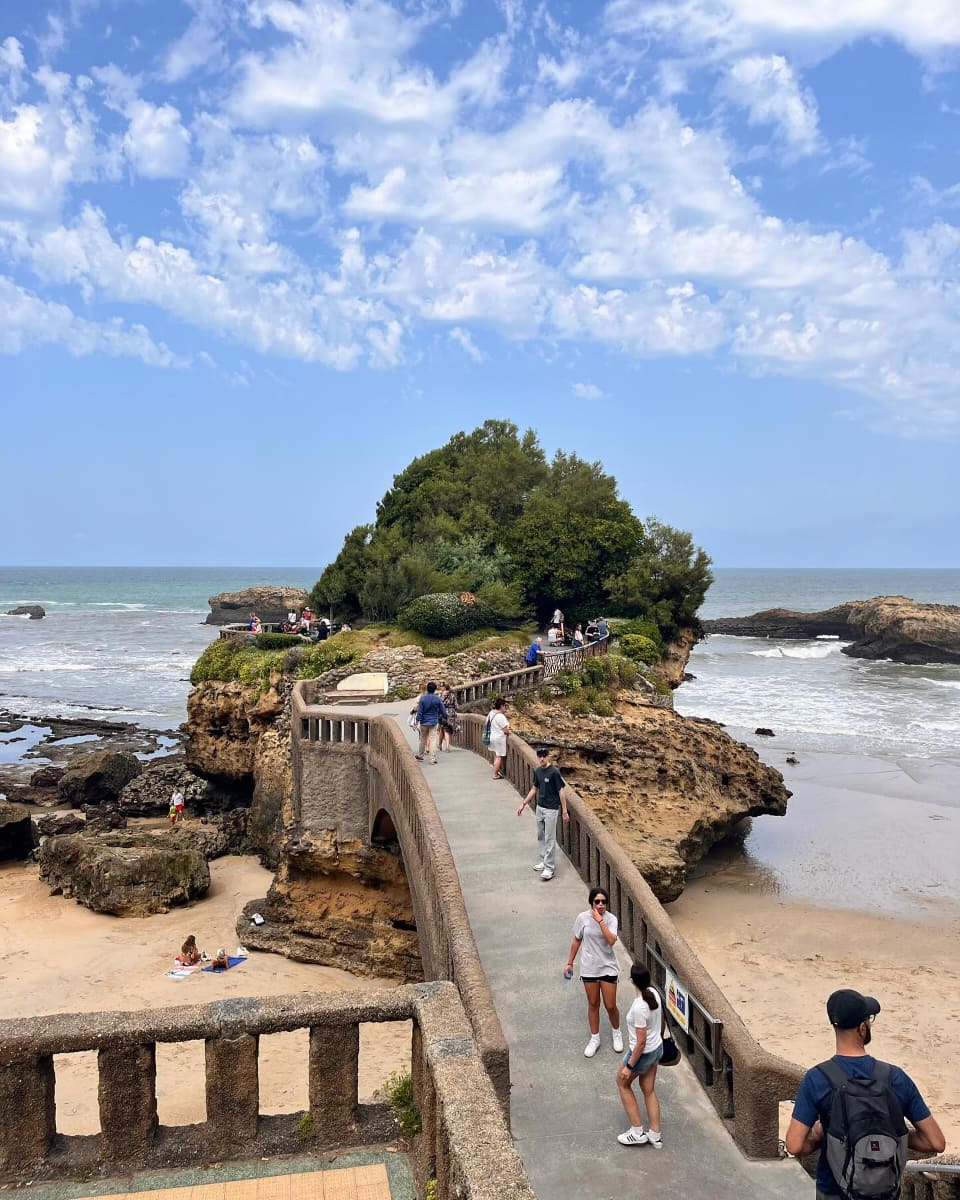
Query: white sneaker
pixel 547 874
pixel 618 1041
pixel 538 866
pixel 655 1140
pixel 632 1138
pixel 592 1046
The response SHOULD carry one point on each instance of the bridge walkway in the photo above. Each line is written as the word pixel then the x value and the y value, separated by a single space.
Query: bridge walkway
pixel 565 1110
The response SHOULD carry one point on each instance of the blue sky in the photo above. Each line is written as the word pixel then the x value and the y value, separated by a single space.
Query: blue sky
pixel 256 254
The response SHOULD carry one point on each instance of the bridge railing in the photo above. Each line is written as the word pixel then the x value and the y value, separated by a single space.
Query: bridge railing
pixel 396 783
pixel 451 1089
pixel 744 1082
pixel 527 678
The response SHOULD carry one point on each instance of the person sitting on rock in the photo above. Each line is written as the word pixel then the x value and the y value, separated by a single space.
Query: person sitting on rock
pixel 189 954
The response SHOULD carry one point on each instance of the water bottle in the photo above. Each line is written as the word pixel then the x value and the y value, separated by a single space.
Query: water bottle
pixel 568 973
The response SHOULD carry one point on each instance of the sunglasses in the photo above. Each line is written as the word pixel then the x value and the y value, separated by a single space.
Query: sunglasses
pixel 600 902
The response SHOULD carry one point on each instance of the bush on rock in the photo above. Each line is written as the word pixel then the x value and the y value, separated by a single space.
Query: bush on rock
pixel 443 615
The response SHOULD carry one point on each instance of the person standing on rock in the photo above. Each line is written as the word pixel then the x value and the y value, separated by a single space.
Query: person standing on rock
pixel 430 712
pixel 595 940
pixel 176 805
pixel 550 789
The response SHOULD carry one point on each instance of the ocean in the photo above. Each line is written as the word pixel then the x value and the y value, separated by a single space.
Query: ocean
pixel 808 692
pixel 117 643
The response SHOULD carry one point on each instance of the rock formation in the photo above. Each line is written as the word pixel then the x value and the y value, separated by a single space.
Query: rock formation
pixel 668 787
pixel 36 612
pixel 59 823
pixel 148 794
pixel 892 627
pixel 127 875
pixel 271 604
pixel 97 778
pixel 17 833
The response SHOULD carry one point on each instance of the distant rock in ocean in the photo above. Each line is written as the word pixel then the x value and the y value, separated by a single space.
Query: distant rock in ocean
pixel 892 627
pixel 271 604
pixel 35 612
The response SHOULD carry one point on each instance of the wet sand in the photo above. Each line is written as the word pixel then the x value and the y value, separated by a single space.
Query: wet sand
pixel 56 956
pixel 857 887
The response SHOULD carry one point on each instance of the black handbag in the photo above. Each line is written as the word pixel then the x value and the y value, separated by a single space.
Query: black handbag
pixel 671 1052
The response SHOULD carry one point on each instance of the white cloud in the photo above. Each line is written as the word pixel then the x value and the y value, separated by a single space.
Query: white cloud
pixel 12 68
pixel 467 344
pixel 808 28
pixel 587 391
pixel 202 46
pixel 156 143
pixel 767 88
pixel 560 74
pixel 29 321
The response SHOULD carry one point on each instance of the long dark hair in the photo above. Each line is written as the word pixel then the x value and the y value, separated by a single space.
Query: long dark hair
pixel 640 978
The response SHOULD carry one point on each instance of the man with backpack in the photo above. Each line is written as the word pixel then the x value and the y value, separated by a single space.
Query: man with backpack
pixel 852 1109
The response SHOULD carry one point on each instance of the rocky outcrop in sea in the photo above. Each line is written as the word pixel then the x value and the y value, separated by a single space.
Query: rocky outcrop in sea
pixel 886 627
pixel 271 604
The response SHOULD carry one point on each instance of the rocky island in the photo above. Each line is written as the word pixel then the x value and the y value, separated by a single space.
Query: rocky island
pixel 891 627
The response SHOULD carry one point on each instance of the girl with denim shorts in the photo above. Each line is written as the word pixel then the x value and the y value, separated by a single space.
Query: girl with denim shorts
pixel 644 1026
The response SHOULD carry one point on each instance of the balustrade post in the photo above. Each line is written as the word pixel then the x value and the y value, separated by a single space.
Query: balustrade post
pixel 127 1095
pixel 233 1089
pixel 334 1080
pixel 29 1115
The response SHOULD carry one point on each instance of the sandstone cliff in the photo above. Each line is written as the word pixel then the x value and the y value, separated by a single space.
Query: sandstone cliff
pixel 271 604
pixel 893 627
pixel 668 787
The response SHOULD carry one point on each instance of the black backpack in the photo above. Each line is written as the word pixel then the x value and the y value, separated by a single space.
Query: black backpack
pixel 866 1138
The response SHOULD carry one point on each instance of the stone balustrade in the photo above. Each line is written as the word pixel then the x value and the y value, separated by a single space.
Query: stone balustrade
pixel 451 1089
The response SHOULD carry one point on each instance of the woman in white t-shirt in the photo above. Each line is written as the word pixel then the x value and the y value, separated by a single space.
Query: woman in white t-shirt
pixel 644 1026
pixel 595 938
pixel 499 729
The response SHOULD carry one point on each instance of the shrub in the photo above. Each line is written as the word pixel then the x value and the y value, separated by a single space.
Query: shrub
pixel 277 641
pixel 216 662
pixel 441 615
pixel 640 648
pixel 324 656
pixel 640 627
pixel 402 692
pixel 398 1090
pixel 501 600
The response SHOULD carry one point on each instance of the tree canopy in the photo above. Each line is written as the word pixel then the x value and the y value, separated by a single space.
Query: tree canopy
pixel 487 513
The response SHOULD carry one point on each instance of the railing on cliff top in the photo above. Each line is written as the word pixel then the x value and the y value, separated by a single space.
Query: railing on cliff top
pixel 527 678
pixel 451 1089
pixel 447 945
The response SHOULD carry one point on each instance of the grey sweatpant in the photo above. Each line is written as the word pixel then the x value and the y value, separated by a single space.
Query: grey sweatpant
pixel 547 836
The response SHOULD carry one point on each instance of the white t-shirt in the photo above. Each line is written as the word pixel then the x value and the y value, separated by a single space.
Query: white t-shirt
pixel 557 617
pixel 551 636
pixel 597 958
pixel 291 617
pixel 177 799
pixel 498 736
pixel 641 1016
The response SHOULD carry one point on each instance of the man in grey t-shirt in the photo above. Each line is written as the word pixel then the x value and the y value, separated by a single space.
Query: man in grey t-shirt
pixel 550 790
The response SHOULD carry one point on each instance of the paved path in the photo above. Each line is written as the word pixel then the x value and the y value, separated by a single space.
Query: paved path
pixel 565 1111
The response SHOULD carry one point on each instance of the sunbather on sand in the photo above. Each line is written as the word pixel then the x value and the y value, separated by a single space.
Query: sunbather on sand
pixel 189 954
pixel 221 962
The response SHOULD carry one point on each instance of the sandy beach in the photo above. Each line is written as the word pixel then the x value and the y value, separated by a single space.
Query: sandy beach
pixel 56 956
pixel 856 887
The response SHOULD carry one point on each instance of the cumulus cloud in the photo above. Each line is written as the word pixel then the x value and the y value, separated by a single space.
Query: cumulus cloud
pixel 587 391
pixel 156 143
pixel 29 322
pixel 767 88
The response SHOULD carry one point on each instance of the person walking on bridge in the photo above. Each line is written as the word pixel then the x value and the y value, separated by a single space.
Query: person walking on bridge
pixel 595 939
pixel 550 789
pixel 852 1093
pixel 430 712
pixel 645 1023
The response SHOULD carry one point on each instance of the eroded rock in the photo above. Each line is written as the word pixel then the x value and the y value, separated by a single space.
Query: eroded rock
pixel 36 612
pixel 18 835
pixel 97 778
pixel 271 604
pixel 124 874
pixel 59 823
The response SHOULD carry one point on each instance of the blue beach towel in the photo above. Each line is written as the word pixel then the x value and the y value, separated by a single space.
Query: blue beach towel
pixel 231 962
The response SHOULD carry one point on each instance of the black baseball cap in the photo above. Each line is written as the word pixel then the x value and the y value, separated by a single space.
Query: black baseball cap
pixel 543 752
pixel 847 1009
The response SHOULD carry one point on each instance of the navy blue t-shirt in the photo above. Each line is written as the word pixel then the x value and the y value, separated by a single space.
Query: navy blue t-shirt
pixel 815 1097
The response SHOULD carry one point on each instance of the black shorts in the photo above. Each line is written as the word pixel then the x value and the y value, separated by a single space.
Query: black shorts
pixel 599 978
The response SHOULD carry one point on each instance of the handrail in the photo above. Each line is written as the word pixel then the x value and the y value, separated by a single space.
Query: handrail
pixel 446 938
pixel 451 1089
pixel 528 678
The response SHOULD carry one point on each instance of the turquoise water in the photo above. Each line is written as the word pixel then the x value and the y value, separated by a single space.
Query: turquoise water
pixel 116 643
pixel 811 695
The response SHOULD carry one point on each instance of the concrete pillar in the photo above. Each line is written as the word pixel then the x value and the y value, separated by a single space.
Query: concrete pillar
pixel 334 1079
pixel 29 1115
pixel 233 1090
pixel 127 1093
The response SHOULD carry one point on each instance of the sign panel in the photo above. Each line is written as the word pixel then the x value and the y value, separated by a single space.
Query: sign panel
pixel 678 1002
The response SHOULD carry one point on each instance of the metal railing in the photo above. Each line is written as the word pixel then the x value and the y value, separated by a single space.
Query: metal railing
pixel 524 679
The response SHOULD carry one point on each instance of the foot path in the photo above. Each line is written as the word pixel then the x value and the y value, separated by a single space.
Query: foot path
pixel 565 1111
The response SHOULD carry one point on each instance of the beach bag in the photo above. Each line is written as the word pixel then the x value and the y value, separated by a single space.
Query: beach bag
pixel 486 731
pixel 866 1138
pixel 671 1051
